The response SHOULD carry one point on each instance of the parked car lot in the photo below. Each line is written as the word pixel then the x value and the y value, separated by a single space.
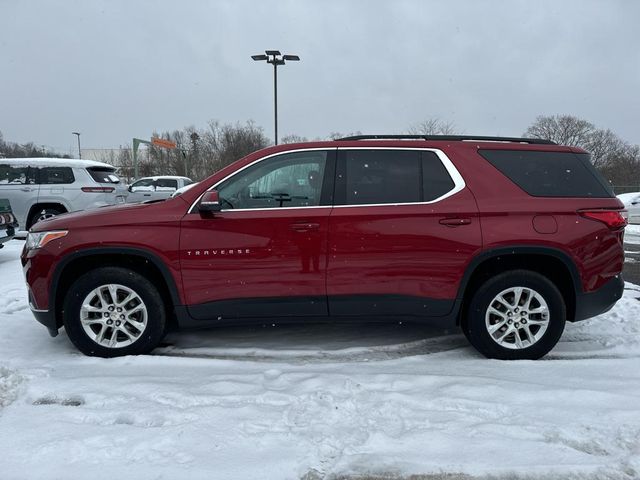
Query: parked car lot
pixel 40 188
pixel 156 188
pixel 353 229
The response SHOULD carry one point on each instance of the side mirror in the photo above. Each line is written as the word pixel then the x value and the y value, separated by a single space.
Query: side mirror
pixel 130 188
pixel 210 202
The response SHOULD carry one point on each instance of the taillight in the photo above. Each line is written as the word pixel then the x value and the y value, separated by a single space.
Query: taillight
pixel 98 189
pixel 611 218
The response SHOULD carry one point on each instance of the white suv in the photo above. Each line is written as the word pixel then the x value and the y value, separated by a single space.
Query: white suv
pixel 40 188
pixel 156 188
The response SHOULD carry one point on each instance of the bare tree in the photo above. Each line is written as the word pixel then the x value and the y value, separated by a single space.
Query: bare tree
pixel 293 138
pixel 338 135
pixel 616 159
pixel 433 126
pixel 562 129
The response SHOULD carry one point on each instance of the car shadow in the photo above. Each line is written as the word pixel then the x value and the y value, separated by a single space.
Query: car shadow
pixel 312 342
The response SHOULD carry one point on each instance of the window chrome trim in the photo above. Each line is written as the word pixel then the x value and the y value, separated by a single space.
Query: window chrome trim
pixel 317 149
pixel 458 182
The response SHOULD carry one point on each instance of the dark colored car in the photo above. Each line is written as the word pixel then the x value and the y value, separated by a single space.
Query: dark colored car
pixel 8 222
pixel 507 238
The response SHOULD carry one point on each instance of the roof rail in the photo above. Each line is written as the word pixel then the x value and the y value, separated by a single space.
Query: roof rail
pixel 540 141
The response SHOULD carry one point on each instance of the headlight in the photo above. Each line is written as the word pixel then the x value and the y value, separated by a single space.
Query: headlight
pixel 40 239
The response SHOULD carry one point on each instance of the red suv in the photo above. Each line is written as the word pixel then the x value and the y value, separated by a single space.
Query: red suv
pixel 505 237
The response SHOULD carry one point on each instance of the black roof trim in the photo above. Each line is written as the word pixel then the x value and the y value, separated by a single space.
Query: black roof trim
pixel 455 138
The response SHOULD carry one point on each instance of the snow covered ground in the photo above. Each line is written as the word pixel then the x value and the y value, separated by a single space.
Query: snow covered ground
pixel 317 402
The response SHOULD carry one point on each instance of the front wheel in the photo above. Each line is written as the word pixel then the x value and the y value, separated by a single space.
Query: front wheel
pixel 516 315
pixel 112 311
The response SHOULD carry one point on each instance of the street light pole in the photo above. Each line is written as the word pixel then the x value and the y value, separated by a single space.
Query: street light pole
pixel 275 100
pixel 78 135
pixel 275 58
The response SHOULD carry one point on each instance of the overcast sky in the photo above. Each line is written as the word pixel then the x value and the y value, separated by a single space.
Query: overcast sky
pixel 116 69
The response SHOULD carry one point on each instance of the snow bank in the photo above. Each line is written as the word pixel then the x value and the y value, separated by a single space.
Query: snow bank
pixel 317 402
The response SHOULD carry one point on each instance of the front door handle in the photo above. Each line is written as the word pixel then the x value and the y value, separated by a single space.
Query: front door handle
pixel 304 226
pixel 455 222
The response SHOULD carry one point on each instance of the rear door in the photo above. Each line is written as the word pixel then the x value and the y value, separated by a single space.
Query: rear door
pixel 164 187
pixel 57 186
pixel 402 231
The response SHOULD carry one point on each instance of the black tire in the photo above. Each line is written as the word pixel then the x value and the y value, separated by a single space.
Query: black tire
pixel 476 330
pixel 149 336
pixel 42 213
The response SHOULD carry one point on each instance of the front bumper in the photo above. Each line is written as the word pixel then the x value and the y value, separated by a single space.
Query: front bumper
pixel 600 301
pixel 48 319
pixel 8 234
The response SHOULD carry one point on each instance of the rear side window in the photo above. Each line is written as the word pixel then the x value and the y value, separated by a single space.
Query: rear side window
pixel 436 181
pixel 550 174
pixel 392 176
pixel 55 175
pixel 382 176
pixel 166 185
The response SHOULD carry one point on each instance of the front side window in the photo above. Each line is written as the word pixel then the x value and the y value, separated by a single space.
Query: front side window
pixel 288 180
pixel 55 175
pixel 144 185
pixel 13 175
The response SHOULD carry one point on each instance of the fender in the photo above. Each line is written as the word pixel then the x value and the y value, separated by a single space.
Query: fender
pixel 139 252
pixel 505 251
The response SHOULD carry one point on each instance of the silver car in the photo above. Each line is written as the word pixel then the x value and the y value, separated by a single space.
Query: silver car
pixel 40 188
pixel 156 188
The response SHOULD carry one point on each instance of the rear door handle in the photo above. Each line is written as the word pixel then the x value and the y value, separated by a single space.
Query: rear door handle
pixel 455 222
pixel 304 226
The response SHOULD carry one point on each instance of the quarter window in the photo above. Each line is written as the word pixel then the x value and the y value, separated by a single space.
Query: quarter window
pixel 288 180
pixel 103 174
pixel 550 174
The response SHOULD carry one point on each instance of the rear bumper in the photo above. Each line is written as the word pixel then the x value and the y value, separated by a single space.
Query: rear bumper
pixel 600 301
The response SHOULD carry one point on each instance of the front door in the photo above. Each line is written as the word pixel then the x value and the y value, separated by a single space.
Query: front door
pixel 402 231
pixel 265 253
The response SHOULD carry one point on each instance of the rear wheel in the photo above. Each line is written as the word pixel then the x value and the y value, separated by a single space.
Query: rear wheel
pixel 43 214
pixel 114 311
pixel 516 315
